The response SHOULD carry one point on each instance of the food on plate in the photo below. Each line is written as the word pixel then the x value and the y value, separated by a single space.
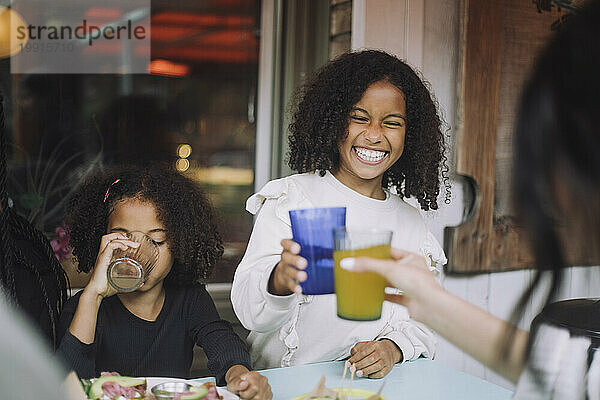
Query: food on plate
pixel 112 386
pixel 322 392
pixel 206 391
pixel 198 392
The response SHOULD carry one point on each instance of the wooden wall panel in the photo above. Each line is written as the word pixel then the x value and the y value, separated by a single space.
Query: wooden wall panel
pixel 498 44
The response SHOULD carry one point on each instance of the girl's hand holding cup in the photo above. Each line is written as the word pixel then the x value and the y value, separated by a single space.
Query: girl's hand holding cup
pixel 312 231
pixel 98 284
pixel 289 271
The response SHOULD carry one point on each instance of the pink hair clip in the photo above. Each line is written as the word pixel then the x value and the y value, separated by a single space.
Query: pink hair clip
pixel 108 190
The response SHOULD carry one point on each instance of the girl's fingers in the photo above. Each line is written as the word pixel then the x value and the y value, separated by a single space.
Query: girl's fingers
pixel 293 260
pixel 249 393
pixel 364 356
pixel 105 255
pixel 379 365
pixel 106 239
pixel 367 361
pixel 381 373
pixel 293 279
pixel 293 265
pixel 257 387
pixel 129 243
pixel 291 270
pixel 268 395
pixel 359 351
pixel 290 246
pixel 121 244
pixel 295 275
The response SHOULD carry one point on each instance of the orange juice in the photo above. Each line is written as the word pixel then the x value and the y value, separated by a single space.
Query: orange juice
pixel 359 294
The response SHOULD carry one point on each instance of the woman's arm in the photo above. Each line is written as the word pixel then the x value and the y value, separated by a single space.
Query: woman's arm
pixel 475 331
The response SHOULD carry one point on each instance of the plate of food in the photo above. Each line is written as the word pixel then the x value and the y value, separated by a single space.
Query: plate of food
pixel 322 392
pixel 111 386
pixel 342 394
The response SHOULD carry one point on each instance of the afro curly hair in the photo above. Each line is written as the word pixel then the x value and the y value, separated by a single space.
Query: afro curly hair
pixel 185 211
pixel 321 115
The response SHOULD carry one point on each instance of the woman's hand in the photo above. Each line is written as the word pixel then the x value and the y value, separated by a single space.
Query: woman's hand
pixel 406 271
pixel 375 359
pixel 98 285
pixel 248 384
pixel 470 328
pixel 288 273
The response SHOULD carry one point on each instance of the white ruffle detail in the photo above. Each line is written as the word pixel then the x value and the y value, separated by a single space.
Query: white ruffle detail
pixel 288 194
pixel 593 377
pixel 289 335
pixel 433 253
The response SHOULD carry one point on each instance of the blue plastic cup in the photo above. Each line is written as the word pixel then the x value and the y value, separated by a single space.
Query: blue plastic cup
pixel 312 229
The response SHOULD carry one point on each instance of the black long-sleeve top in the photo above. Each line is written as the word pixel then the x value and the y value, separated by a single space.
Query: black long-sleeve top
pixel 135 347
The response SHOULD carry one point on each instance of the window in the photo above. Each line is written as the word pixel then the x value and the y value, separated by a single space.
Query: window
pixel 195 109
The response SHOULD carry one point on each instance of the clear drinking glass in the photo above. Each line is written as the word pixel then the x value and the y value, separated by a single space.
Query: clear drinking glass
pixel 360 294
pixel 129 268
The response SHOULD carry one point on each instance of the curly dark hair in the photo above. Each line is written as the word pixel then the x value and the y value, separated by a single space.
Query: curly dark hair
pixel 185 211
pixel 320 122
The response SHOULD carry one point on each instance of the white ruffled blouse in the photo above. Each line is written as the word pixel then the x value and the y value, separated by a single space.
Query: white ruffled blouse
pixel 561 366
pixel 300 329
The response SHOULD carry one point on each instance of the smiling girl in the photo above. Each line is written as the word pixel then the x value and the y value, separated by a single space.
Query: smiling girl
pixel 151 331
pixel 365 135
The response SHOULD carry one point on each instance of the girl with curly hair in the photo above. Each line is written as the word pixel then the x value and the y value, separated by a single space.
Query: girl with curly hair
pixel 365 135
pixel 152 330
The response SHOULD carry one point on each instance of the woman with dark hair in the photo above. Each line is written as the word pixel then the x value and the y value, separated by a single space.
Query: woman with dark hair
pixel 29 271
pixel 150 331
pixel 365 135
pixel 557 195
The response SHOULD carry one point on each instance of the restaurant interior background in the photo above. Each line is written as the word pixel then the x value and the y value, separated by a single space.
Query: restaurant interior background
pixel 214 104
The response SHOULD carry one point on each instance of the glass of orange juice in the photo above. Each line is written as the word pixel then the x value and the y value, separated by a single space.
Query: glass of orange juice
pixel 360 294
